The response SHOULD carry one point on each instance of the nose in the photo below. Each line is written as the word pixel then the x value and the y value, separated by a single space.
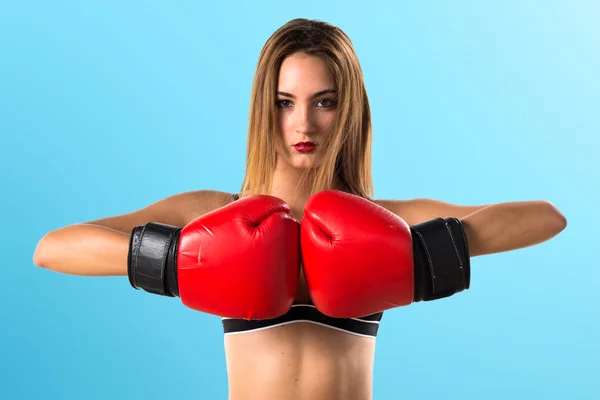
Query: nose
pixel 304 120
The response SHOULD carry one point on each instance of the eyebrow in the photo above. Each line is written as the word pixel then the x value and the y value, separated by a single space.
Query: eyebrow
pixel 322 92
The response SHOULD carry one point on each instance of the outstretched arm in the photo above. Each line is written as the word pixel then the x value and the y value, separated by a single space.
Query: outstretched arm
pixel 491 228
pixel 509 226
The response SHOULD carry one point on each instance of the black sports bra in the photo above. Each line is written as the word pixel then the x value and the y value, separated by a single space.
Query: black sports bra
pixel 364 326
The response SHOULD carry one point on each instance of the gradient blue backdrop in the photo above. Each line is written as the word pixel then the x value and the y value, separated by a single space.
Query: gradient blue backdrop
pixel 472 104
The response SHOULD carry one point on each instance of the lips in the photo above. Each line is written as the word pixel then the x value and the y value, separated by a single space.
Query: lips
pixel 305 147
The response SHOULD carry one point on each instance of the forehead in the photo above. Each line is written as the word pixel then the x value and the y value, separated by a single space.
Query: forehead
pixel 304 73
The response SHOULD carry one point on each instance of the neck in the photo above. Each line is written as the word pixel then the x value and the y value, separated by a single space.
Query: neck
pixel 288 187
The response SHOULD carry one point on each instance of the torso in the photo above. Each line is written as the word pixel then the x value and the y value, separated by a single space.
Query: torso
pixel 299 360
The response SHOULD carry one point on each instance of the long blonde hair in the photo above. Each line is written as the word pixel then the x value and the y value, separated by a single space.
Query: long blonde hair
pixel 347 159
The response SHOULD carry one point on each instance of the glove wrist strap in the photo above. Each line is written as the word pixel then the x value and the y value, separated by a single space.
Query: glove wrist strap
pixel 442 260
pixel 152 259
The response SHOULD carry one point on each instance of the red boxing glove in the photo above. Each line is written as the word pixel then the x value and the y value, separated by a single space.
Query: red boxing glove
pixel 359 258
pixel 239 261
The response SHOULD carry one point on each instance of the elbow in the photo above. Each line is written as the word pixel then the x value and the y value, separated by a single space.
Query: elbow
pixel 41 254
pixel 556 220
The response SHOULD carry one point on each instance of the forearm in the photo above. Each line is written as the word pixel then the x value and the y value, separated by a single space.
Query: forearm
pixel 510 226
pixel 84 249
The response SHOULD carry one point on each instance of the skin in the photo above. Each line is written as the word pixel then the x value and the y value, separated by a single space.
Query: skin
pixel 297 360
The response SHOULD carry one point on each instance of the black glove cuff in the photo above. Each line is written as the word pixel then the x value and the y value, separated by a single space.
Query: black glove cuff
pixel 441 257
pixel 152 259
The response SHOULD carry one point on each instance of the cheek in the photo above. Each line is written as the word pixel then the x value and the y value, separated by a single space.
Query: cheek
pixel 280 132
pixel 283 124
pixel 326 121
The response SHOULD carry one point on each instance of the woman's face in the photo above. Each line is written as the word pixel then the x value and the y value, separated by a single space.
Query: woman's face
pixel 306 108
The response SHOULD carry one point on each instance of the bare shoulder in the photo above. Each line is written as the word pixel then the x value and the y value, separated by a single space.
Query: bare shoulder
pixel 196 203
pixel 417 210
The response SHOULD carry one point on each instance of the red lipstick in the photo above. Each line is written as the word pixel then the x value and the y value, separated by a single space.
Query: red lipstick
pixel 305 147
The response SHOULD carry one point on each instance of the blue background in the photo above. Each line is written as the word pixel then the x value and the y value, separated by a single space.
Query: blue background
pixel 472 104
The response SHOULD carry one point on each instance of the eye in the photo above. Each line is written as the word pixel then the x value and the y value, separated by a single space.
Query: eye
pixel 283 103
pixel 324 103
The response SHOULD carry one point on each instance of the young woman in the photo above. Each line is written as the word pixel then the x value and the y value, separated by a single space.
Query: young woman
pixel 309 133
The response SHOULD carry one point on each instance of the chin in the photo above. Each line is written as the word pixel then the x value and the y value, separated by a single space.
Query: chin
pixel 300 161
pixel 305 163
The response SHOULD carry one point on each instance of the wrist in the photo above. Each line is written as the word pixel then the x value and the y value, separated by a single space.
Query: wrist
pixel 152 259
pixel 441 259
